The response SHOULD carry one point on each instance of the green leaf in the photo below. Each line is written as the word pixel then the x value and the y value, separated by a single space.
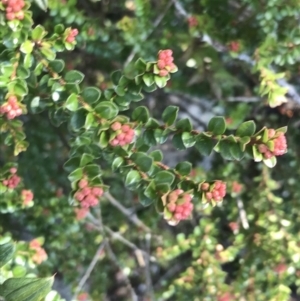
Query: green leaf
pixel 57 65
pixel 78 120
pixel 133 179
pixel 92 171
pixel 74 77
pixel 256 154
pixel 148 79
pixel 42 4
pixel 149 138
pixel 107 109
pixel 115 77
pixel 76 175
pixel 140 114
pixel 188 139
pixel 236 151
pixel 157 155
pixel 59 28
pixel 246 129
pixel 282 129
pixel 184 125
pixel 48 53
pixel 160 81
pixel 91 95
pixel 217 125
pixel 144 200
pixel 160 136
pixel 244 141
pixel 270 162
pixel 143 161
pixel 205 144
pixel 184 168
pixel 104 139
pixel 169 115
pixel 22 72
pixel 164 177
pixel 6 253
pixel 140 65
pixel 89 120
pixel 85 159
pixel 150 190
pixel 72 102
pixel 177 142
pixel 38 33
pixel 117 163
pixel 27 47
pixel 26 289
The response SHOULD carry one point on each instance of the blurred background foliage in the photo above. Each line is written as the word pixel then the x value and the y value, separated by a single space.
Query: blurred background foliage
pixel 246 249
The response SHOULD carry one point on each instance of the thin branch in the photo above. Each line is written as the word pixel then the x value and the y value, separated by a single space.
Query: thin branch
pixel 242 213
pixel 88 271
pixel 114 258
pixel 149 284
pixel 131 216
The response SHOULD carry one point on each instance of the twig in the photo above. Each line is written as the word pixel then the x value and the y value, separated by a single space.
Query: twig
pixel 114 258
pixel 131 216
pixel 149 284
pixel 242 213
pixel 88 271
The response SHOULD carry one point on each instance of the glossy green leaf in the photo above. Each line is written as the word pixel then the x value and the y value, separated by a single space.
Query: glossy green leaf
pixel 133 179
pixel 42 4
pixel 57 65
pixel 91 95
pixel 184 168
pixel 148 79
pixel 164 177
pixel 76 175
pixel 27 47
pixel 246 129
pixel 205 144
pixel 188 139
pixel 38 33
pixel 74 77
pixel 184 125
pixel 169 115
pixel 140 114
pixel 72 102
pixel 115 76
pixel 78 120
pixel 217 125
pixel 85 159
pixel 143 161
pixel 157 155
pixel 107 109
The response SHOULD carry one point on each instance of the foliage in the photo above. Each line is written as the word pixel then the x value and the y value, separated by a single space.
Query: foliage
pixel 83 163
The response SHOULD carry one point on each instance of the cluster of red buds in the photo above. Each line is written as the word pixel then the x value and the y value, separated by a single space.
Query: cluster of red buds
pixel 14 9
pixel 122 134
pixel 275 146
pixel 178 206
pixel 165 63
pixel 234 46
pixel 71 36
pixel 13 180
pixel 11 108
pixel 215 192
pixel 86 195
pixel 27 197
pixel 193 22
pixel 81 213
pixel 40 254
